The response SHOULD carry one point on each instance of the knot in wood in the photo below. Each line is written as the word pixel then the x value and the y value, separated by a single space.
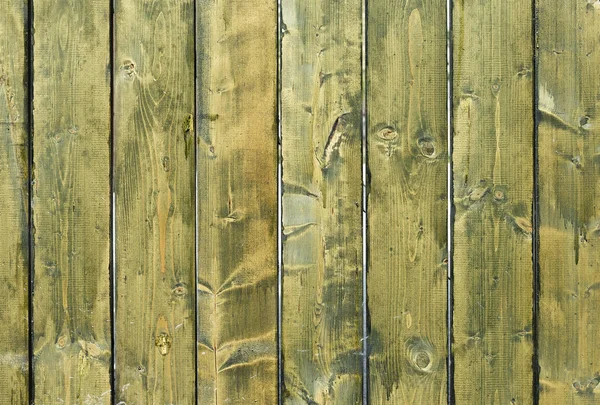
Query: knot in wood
pixel 179 290
pixel 500 194
pixel 163 342
pixel 584 122
pixel 61 342
pixel 496 87
pixel 128 69
pixel 422 360
pixel 427 147
pixel 420 355
pixel 387 134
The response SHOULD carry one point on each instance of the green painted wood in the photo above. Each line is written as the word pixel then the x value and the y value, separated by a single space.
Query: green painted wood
pixel 154 202
pixel 407 203
pixel 14 203
pixel 322 240
pixel 493 191
pixel 71 202
pixel 237 201
pixel 569 191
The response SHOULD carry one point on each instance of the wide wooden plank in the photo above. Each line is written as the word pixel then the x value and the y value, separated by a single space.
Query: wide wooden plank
pixel 14 202
pixel 237 201
pixel 71 202
pixel 407 202
pixel 154 201
pixel 322 240
pixel 569 197
pixel 493 191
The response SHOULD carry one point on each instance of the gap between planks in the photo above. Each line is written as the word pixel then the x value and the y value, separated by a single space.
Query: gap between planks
pixel 450 206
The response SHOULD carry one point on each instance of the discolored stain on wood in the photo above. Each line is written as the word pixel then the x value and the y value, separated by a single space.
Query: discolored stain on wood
pixel 322 242
pixel 493 193
pixel 569 191
pixel 237 202
pixel 407 235
pixel 154 177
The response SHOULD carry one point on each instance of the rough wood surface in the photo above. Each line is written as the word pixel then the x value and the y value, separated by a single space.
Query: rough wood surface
pixel 14 203
pixel 237 201
pixel 569 195
pixel 322 242
pixel 493 190
pixel 71 202
pixel 407 205
pixel 154 202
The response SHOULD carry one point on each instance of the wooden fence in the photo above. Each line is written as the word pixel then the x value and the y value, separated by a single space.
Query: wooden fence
pixel 244 202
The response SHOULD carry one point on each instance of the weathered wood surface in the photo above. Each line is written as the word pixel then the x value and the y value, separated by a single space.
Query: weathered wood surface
pixel 322 242
pixel 207 145
pixel 154 202
pixel 237 201
pixel 407 205
pixel 493 190
pixel 14 203
pixel 71 202
pixel 569 195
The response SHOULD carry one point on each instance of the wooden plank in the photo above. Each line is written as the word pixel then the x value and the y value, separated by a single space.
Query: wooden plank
pixel 322 240
pixel 407 205
pixel 14 203
pixel 493 189
pixel 237 201
pixel 569 192
pixel 71 202
pixel 154 202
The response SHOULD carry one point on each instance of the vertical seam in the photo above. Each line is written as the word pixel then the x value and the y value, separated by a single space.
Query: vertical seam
pixel 113 228
pixel 364 179
pixel 196 214
pixel 279 39
pixel 30 180
pixel 450 206
pixel 535 209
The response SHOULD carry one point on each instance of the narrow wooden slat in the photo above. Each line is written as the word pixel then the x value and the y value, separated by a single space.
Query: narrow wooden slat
pixel 237 201
pixel 407 205
pixel 493 190
pixel 322 242
pixel 71 202
pixel 154 202
pixel 14 203
pixel 569 196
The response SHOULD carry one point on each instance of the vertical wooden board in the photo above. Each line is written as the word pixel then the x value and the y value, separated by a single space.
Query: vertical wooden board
pixel 154 201
pixel 237 201
pixel 14 203
pixel 569 192
pixel 493 190
pixel 322 240
pixel 71 202
pixel 407 205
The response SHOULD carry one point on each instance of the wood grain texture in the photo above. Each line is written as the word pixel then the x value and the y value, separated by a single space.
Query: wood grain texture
pixel 154 202
pixel 14 203
pixel 493 190
pixel 322 241
pixel 237 201
pixel 407 205
pixel 569 195
pixel 71 202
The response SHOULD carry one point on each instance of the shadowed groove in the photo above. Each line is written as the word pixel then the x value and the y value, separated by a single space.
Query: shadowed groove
pixel 31 268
